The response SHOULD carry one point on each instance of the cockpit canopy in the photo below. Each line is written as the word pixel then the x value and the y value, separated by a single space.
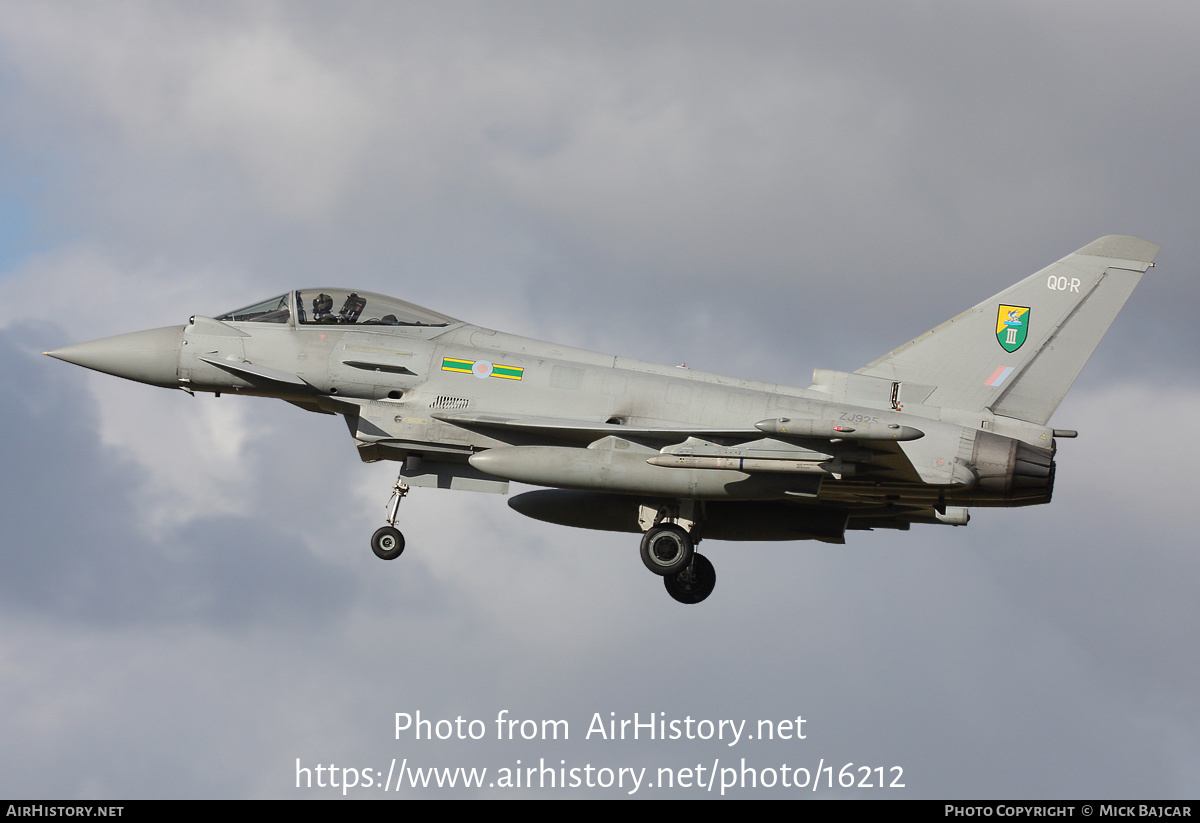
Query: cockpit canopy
pixel 346 307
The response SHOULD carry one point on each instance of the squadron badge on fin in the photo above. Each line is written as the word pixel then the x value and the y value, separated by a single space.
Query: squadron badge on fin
pixel 1012 326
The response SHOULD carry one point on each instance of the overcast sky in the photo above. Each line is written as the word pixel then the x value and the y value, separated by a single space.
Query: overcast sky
pixel 188 601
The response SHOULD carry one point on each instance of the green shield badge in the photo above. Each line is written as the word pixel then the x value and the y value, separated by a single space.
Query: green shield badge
pixel 1012 326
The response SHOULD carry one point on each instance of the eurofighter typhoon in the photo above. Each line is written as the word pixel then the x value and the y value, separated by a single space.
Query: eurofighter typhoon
pixel 953 419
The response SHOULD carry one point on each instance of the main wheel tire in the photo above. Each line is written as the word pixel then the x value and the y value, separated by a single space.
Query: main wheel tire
pixel 666 549
pixel 387 543
pixel 692 584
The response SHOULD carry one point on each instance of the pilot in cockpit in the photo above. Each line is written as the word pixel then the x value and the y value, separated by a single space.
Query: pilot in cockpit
pixel 323 309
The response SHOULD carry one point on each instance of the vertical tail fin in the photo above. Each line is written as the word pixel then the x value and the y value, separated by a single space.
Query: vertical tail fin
pixel 1018 352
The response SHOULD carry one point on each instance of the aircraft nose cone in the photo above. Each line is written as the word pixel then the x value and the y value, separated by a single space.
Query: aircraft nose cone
pixel 150 356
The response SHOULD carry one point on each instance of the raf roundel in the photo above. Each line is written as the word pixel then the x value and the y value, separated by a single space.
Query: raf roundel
pixel 482 369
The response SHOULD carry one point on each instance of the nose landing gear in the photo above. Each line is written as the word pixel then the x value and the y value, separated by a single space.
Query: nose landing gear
pixel 388 542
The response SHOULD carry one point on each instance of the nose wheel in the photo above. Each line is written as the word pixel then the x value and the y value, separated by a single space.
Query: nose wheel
pixel 388 542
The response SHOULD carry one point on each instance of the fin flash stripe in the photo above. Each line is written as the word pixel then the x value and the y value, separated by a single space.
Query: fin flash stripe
pixel 998 376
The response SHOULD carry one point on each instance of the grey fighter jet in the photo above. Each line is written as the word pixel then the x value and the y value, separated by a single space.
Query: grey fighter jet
pixel 955 418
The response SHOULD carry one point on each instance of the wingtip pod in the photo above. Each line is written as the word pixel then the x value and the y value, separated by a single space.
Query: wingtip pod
pixel 1122 247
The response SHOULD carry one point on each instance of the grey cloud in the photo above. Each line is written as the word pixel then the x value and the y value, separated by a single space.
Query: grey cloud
pixel 72 553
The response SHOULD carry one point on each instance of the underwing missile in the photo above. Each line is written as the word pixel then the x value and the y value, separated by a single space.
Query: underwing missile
pixel 751 464
pixel 833 430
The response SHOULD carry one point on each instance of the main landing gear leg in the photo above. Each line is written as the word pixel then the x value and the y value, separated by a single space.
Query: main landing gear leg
pixel 694 583
pixel 668 550
pixel 388 542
